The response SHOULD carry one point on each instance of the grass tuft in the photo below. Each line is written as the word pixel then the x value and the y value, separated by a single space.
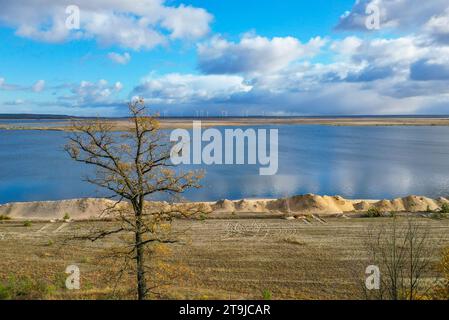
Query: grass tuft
pixel 266 294
pixel 27 223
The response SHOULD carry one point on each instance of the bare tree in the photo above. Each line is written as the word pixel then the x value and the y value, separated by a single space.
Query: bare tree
pixel 403 253
pixel 134 166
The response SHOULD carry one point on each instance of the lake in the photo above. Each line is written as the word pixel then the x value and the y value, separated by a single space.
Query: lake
pixel 355 162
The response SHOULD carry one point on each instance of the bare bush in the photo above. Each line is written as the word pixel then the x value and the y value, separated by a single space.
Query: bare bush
pixel 403 253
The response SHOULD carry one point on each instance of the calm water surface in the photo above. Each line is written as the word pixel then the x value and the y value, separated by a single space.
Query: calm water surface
pixel 355 162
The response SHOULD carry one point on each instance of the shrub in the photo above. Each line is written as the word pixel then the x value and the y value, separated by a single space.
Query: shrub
pixel 66 216
pixel 438 215
pixel 4 217
pixel 373 213
pixel 27 223
pixel 266 294
pixel 444 208
pixel 4 292
pixel 23 288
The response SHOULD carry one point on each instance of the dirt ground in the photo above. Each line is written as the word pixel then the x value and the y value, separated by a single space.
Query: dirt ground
pixel 214 259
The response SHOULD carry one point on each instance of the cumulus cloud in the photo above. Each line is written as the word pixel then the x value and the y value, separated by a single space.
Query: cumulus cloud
pixel 253 54
pixel 438 27
pixel 360 76
pixel 134 24
pixel 186 22
pixel 429 18
pixel 91 94
pixel 188 88
pixel 393 13
pixel 119 58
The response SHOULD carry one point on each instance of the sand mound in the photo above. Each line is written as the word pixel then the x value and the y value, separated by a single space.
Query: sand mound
pixel 407 204
pixel 362 206
pixel 384 206
pixel 223 205
pixel 188 208
pixel 442 200
pixel 398 205
pixel 89 208
pixel 81 209
pixel 250 206
pixel 78 209
pixel 416 204
pixel 344 204
pixel 310 203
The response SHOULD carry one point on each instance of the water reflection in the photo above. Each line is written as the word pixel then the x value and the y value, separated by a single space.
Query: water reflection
pixel 355 162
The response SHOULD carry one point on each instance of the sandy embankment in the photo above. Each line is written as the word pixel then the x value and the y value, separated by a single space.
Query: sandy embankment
pixel 82 209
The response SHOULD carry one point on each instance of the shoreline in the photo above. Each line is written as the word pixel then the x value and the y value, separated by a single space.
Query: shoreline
pixel 123 124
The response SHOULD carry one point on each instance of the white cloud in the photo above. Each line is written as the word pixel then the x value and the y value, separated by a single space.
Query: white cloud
pixel 346 46
pixel 403 14
pixel 254 54
pixel 118 86
pixel 438 27
pixel 134 24
pixel 91 94
pixel 119 58
pixel 177 88
pixel 187 22
pixel 393 51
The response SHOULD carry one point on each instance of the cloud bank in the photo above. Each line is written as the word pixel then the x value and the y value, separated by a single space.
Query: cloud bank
pixel 134 24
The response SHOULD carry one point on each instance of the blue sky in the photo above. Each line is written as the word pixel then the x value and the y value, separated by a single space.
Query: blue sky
pixel 236 57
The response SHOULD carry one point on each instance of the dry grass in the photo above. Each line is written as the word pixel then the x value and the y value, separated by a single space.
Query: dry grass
pixel 218 259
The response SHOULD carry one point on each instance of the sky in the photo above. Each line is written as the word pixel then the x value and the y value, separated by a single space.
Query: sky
pixel 233 57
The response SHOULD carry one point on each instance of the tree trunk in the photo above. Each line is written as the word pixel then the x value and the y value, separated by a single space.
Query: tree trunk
pixel 140 265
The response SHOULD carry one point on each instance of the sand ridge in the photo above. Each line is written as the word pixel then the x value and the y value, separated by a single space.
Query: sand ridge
pixel 93 208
